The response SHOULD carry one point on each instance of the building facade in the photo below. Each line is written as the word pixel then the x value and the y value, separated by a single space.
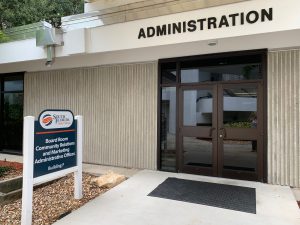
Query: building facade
pixel 197 87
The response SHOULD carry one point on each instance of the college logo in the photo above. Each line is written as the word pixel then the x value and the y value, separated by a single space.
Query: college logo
pixel 56 119
pixel 47 119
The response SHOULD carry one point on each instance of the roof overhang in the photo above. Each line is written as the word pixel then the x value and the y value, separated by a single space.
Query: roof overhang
pixel 121 5
pixel 120 43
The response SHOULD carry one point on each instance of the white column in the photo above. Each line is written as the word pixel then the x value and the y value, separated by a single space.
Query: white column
pixel 27 191
pixel 78 173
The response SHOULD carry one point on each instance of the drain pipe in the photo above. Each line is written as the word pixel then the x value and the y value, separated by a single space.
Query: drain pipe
pixel 50 55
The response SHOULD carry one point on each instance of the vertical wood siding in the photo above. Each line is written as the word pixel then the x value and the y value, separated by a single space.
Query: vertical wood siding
pixel 284 117
pixel 119 105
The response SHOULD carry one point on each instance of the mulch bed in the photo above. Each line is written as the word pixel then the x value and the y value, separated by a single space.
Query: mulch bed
pixel 51 202
pixel 16 169
pixel 15 165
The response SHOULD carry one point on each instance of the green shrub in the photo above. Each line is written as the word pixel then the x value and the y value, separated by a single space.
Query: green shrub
pixel 3 37
pixel 238 125
pixel 4 169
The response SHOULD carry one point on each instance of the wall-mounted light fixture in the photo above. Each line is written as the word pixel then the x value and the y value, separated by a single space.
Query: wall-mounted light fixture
pixel 49 38
pixel 212 43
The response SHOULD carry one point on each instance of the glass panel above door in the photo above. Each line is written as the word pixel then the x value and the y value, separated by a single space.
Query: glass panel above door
pixel 221 69
pixel 168 73
pixel 240 107
pixel 13 85
pixel 197 107
pixel 221 73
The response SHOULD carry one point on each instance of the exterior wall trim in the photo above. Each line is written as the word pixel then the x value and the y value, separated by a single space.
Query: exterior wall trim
pixel 283 117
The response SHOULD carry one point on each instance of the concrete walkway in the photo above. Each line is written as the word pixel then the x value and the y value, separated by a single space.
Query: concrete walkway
pixel 128 204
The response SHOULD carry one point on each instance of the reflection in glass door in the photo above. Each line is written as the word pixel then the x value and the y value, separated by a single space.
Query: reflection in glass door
pixel 197 132
pixel 219 130
pixel 239 121
pixel 11 108
pixel 168 129
pixel 240 112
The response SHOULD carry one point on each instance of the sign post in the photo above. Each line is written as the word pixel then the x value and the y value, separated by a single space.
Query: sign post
pixel 78 173
pixel 27 190
pixel 52 148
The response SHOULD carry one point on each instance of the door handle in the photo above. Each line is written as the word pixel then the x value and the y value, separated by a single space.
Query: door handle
pixel 210 131
pixel 223 132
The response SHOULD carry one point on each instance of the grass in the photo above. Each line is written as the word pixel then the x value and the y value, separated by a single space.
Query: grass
pixel 4 169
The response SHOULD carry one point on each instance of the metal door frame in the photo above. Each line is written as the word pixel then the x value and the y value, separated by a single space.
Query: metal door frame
pixel 241 133
pixel 216 130
pixel 262 164
pixel 195 132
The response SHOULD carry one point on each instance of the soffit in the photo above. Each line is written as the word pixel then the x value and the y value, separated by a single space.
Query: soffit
pixel 141 10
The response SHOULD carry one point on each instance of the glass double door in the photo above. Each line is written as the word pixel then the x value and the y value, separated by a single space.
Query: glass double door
pixel 220 130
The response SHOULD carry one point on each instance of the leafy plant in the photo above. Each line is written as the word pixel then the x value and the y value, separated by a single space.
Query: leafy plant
pixel 247 70
pixel 4 169
pixel 3 37
pixel 238 125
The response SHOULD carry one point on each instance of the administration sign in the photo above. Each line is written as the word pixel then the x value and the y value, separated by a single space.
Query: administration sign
pixel 54 142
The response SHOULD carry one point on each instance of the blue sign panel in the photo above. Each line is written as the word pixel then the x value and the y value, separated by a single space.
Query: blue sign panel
pixel 54 142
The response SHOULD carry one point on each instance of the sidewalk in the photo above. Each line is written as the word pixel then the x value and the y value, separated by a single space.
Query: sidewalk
pixel 128 204
pixel 100 169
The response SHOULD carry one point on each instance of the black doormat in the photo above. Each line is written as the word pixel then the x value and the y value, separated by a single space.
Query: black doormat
pixel 218 195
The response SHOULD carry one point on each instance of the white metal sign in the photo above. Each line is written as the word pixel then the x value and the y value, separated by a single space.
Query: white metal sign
pixel 49 147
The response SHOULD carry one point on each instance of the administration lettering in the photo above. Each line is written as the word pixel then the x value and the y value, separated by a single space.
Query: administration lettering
pixel 199 24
